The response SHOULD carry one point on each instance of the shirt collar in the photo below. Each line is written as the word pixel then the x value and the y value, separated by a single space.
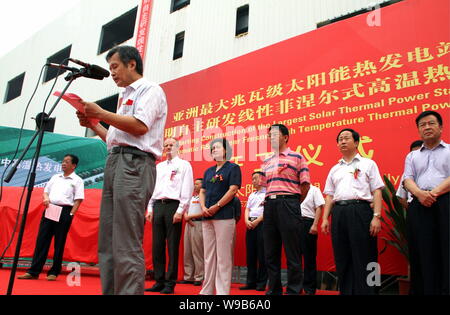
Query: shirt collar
pixel 174 160
pixel 285 152
pixel 441 144
pixel 71 176
pixel 135 85
pixel 357 158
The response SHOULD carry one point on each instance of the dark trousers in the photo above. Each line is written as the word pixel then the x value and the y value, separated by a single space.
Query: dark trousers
pixel 309 253
pixel 353 247
pixel 256 262
pixel 282 219
pixel 47 230
pixel 428 241
pixel 164 230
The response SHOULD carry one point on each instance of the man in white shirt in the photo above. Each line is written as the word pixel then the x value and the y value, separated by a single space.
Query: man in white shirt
pixel 351 186
pixel 254 217
pixel 66 191
pixel 134 140
pixel 194 261
pixel 311 209
pixel 173 192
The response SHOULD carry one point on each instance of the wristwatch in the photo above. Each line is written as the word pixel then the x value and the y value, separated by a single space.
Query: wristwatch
pixel 377 215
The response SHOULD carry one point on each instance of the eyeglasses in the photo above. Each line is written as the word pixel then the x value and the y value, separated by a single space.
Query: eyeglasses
pixel 429 123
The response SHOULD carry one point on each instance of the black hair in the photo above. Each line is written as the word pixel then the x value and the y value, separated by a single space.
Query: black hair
pixel 259 173
pixel 415 144
pixel 74 158
pixel 283 129
pixel 226 145
pixel 428 113
pixel 126 54
pixel 355 135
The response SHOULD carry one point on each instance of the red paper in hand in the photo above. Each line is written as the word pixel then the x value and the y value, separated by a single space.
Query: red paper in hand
pixel 75 101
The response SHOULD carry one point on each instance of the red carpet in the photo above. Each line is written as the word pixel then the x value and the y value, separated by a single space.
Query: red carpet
pixel 90 285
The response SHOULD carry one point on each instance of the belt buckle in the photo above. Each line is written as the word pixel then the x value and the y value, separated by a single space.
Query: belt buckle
pixel 273 197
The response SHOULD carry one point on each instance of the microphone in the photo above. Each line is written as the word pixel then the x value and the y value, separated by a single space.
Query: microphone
pixel 76 73
pixel 63 67
pixel 93 69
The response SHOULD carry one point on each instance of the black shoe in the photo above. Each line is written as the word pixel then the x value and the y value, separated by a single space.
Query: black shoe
pixel 157 287
pixel 185 282
pixel 260 288
pixel 248 287
pixel 197 283
pixel 167 290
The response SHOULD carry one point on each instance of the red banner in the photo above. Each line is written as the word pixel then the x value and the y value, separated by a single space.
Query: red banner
pixel 373 77
pixel 143 28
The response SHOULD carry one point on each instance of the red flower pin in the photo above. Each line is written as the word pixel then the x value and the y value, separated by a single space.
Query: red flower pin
pixel 129 102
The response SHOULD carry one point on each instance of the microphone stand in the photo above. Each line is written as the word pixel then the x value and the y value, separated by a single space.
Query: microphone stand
pixel 40 134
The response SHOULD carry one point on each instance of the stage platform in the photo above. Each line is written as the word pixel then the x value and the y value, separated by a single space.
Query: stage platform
pixel 90 285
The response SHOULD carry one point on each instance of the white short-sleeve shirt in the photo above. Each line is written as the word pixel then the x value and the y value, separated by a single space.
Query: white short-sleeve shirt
pixel 342 183
pixel 255 203
pixel 146 102
pixel 63 191
pixel 313 200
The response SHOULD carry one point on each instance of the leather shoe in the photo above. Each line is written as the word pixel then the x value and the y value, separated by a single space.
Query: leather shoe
pixel 185 282
pixel 51 278
pixel 260 288
pixel 197 283
pixel 248 287
pixel 167 290
pixel 157 287
pixel 27 276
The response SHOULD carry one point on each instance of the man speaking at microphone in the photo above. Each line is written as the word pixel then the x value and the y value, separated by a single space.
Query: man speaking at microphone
pixel 135 141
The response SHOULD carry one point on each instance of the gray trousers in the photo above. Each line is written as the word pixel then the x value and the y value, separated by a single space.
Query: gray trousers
pixel 128 186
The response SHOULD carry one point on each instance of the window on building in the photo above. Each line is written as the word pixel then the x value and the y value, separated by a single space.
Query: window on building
pixel 179 4
pixel 359 12
pixel 60 57
pixel 14 88
pixel 179 45
pixel 109 104
pixel 242 19
pixel 118 31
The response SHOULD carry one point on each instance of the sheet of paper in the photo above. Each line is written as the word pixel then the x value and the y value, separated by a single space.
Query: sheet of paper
pixel 53 212
pixel 75 101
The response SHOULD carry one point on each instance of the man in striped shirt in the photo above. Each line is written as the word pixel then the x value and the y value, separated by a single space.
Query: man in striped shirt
pixel 287 177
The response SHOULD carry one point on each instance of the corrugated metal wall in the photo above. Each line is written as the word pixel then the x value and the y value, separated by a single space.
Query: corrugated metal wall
pixel 210 39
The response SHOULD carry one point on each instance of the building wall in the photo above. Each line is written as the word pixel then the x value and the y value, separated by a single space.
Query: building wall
pixel 210 39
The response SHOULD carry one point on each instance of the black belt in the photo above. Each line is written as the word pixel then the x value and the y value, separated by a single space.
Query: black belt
pixel 275 197
pixel 197 220
pixel 350 202
pixel 307 219
pixel 131 150
pixel 164 201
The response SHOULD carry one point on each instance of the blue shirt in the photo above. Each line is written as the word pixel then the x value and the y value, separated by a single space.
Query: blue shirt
pixel 217 184
pixel 428 168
